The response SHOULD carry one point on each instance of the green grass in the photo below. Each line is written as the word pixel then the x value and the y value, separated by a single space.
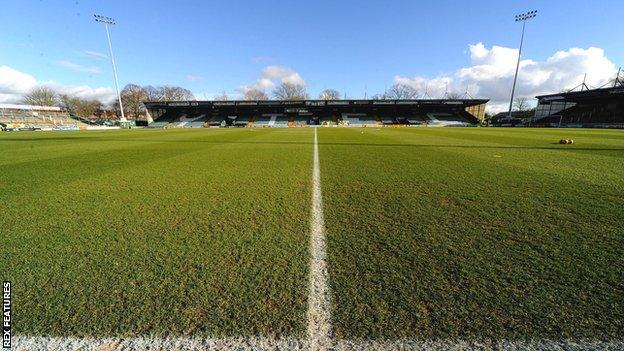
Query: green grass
pixel 433 233
pixel 475 233
pixel 156 232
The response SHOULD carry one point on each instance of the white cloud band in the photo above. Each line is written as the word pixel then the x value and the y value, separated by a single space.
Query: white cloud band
pixel 14 84
pixel 491 72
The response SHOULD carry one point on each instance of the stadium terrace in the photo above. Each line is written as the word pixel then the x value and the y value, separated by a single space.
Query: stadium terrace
pixel 595 108
pixel 301 113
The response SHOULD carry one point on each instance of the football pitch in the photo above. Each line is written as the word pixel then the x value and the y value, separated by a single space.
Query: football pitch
pixel 407 238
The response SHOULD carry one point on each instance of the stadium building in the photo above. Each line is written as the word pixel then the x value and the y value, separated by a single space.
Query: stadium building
pixel 587 108
pixel 30 117
pixel 273 113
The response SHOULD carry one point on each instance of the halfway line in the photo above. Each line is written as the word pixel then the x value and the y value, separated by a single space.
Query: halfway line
pixel 319 317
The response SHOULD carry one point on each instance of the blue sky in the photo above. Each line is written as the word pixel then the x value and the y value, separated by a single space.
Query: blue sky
pixel 351 46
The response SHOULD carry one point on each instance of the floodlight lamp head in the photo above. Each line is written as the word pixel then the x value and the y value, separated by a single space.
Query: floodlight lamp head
pixel 526 16
pixel 104 19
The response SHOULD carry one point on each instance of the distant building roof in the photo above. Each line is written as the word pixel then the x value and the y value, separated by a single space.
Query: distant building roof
pixel 573 96
pixel 29 107
pixel 465 102
pixel 514 114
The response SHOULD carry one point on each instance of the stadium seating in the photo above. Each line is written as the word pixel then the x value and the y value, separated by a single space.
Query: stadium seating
pixel 447 119
pixel 415 121
pixel 358 119
pixel 182 120
pixel 328 120
pixel 584 116
pixel 262 121
pixel 271 120
pixel 216 121
pixel 368 120
pixel 386 120
pixel 38 117
pixel 159 124
pixel 241 121
pixel 194 124
pixel 300 121
pixel 277 120
pixel 281 121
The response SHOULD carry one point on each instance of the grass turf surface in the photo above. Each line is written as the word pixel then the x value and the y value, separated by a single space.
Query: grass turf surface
pixel 432 233
pixel 156 232
pixel 475 233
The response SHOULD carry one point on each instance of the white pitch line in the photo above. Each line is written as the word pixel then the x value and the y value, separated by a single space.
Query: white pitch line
pixel 147 343
pixel 482 345
pixel 318 316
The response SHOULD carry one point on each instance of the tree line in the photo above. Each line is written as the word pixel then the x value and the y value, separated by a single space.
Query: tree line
pixel 133 96
pixel 291 91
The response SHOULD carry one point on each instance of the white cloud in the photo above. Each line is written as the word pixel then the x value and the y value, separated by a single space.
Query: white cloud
pixel 104 94
pixel 14 84
pixel 13 81
pixel 433 87
pixel 272 76
pixel 284 74
pixel 95 54
pixel 491 72
pixel 78 68
pixel 194 78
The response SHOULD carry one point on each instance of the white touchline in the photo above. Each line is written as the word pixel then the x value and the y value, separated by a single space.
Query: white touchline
pixel 319 316
pixel 155 343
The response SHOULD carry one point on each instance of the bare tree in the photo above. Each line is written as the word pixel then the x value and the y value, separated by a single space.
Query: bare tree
pixel 382 96
pixel 521 104
pixel 68 103
pixel 222 96
pixel 87 108
pixel 153 93
pixel 173 93
pixel 133 97
pixel 619 80
pixel 78 106
pixel 41 96
pixel 168 93
pixel 255 94
pixel 401 92
pixel 290 91
pixel 329 94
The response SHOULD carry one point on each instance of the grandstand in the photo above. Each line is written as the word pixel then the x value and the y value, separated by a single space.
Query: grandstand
pixel 300 121
pixel 30 117
pixel 282 114
pixel 262 121
pixel 279 121
pixel 194 121
pixel 358 119
pixel 587 108
pixel 240 121
pixel 323 120
pixel 217 121
pixel 447 119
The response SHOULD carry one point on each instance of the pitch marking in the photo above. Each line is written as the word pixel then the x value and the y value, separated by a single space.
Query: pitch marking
pixel 318 316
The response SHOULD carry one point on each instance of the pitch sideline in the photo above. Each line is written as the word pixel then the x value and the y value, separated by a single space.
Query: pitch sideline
pixel 31 343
